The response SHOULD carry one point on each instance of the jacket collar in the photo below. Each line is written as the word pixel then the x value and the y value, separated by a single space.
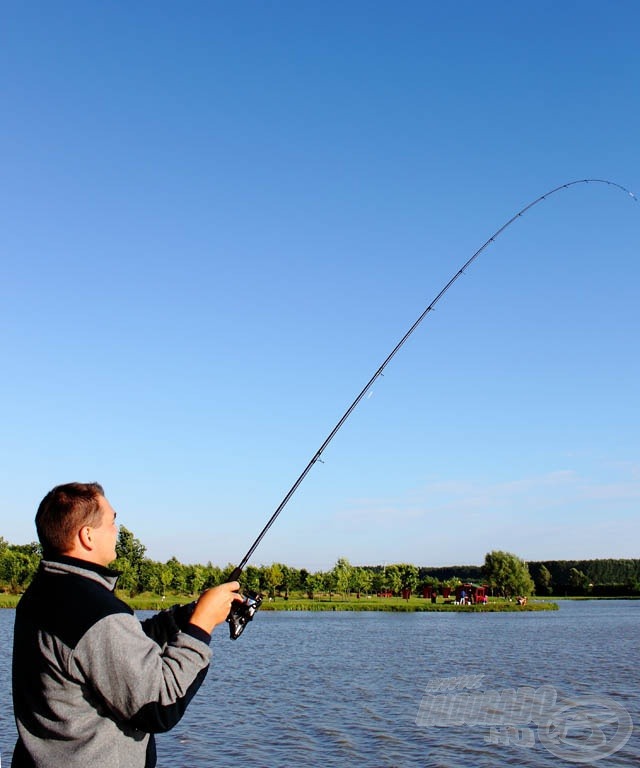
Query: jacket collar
pixel 65 564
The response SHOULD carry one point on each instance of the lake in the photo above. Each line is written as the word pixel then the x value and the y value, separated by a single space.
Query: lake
pixel 381 690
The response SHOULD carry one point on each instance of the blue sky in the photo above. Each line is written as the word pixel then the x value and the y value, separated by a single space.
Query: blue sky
pixel 218 219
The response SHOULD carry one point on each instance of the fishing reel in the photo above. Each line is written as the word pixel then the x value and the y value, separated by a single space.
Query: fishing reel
pixel 241 613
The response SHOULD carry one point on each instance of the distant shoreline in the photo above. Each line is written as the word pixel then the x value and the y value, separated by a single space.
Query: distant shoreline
pixel 366 603
pixel 337 603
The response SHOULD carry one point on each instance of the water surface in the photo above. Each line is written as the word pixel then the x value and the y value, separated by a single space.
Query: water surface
pixel 344 689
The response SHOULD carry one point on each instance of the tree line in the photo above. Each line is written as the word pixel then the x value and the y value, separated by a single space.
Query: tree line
pixel 505 574
pixel 603 577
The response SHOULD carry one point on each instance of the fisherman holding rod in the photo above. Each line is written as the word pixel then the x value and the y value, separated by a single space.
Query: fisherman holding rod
pixel 91 683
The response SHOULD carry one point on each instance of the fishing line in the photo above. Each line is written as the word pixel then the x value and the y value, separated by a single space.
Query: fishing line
pixel 237 623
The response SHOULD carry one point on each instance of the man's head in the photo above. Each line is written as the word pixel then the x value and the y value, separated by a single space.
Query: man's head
pixel 76 519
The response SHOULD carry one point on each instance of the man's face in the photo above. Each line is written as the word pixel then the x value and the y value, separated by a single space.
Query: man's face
pixel 104 537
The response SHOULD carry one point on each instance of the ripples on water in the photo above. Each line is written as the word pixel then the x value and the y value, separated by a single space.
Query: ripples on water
pixel 343 689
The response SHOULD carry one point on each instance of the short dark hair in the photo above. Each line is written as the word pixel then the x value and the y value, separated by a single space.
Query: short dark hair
pixel 63 511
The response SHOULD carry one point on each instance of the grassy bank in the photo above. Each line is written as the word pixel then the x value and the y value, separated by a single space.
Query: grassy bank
pixel 392 604
pixel 8 601
pixel 398 605
pixel 338 603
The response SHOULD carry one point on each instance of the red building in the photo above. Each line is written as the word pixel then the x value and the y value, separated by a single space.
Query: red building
pixel 471 594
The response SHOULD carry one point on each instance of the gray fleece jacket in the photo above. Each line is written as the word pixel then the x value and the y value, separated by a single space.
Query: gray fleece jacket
pixel 91 683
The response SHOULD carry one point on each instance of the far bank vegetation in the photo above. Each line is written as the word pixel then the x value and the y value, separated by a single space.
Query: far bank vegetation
pixel 505 575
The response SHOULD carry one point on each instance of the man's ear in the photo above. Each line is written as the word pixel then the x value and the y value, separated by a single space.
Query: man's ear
pixel 85 538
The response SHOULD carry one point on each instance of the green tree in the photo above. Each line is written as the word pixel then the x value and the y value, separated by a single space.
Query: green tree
pixel 214 575
pixel 273 578
pixel 251 578
pixel 343 572
pixel 408 576
pixel 196 577
pixel 362 580
pixel 329 582
pixel 430 581
pixel 378 581
pixel 33 549
pixel 128 547
pixel 288 579
pixel 149 576
pixel 578 581
pixel 393 579
pixel 507 573
pixel 128 579
pixel 166 577
pixel 129 559
pixel 174 575
pixel 17 568
pixel 542 580
pixel 313 583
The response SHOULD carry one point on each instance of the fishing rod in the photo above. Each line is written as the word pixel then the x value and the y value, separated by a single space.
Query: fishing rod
pixel 243 612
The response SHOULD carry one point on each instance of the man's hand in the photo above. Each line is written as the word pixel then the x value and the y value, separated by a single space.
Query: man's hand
pixel 213 606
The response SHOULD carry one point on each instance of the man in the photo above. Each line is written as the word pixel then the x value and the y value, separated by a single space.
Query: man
pixel 91 684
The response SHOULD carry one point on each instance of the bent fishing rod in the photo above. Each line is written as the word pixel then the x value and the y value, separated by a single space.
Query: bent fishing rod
pixel 243 612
